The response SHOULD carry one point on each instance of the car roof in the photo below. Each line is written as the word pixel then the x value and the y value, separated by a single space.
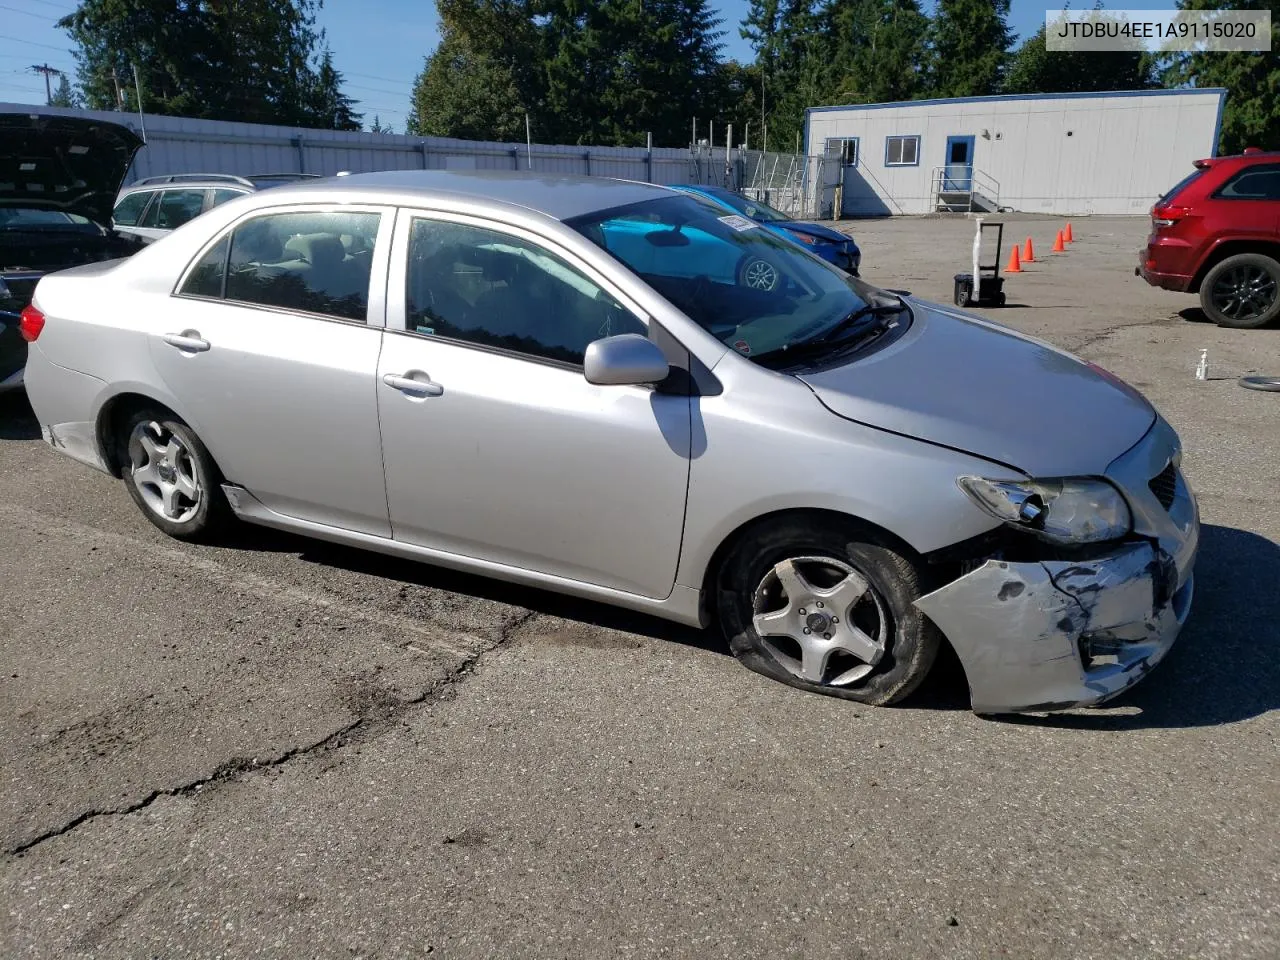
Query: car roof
pixel 561 197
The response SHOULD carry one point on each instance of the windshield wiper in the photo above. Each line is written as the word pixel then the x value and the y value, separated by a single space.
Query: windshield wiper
pixel 828 341
pixel 879 309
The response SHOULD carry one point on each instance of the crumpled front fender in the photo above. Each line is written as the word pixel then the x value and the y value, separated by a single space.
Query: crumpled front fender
pixel 1026 632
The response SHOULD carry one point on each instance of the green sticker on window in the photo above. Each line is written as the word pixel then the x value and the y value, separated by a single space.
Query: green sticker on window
pixel 426 330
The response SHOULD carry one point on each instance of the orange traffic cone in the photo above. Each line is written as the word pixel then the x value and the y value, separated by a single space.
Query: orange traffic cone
pixel 1066 234
pixel 1013 266
pixel 1057 244
pixel 1028 252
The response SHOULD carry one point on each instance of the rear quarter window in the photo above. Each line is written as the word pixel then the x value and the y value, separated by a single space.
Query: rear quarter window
pixel 1253 183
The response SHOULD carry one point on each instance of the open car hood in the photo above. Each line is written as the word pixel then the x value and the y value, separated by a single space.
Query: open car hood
pixel 70 164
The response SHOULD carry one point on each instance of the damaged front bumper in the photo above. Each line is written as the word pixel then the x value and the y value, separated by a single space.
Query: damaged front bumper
pixel 1054 634
pixel 1049 634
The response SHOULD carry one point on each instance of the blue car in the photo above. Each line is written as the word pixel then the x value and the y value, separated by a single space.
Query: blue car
pixel 830 245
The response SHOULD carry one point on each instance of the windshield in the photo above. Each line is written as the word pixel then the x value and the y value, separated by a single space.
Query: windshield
pixel 753 290
pixel 24 218
pixel 754 209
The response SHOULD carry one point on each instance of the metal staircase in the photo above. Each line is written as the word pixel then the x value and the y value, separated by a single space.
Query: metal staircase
pixel 973 193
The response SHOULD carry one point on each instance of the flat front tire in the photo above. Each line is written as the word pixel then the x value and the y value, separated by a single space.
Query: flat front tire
pixel 171 476
pixel 827 608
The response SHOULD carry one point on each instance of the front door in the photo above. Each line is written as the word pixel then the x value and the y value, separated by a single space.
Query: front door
pixel 268 348
pixel 495 445
pixel 959 165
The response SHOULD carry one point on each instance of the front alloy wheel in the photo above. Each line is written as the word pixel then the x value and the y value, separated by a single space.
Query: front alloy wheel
pixel 821 620
pixel 827 605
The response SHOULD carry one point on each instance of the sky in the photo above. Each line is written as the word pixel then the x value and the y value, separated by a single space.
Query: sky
pixel 378 45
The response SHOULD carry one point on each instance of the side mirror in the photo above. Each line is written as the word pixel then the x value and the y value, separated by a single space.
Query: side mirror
pixel 628 358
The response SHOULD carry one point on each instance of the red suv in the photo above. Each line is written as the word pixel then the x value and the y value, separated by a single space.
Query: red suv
pixel 1217 233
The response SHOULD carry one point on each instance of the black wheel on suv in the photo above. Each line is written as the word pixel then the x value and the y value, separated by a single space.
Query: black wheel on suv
pixel 1242 291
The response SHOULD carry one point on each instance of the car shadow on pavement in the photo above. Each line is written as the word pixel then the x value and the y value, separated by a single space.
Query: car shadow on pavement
pixel 1225 666
pixel 246 537
pixel 17 422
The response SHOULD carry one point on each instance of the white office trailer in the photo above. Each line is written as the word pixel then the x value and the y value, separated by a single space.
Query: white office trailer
pixel 1074 154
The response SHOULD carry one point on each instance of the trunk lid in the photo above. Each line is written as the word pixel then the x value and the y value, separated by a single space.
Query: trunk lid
pixel 71 165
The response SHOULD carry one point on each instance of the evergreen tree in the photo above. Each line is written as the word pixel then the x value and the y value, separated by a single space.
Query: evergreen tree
pixel 878 50
pixel 1035 69
pixel 969 42
pixel 253 60
pixel 1252 81
pixel 794 54
pixel 483 76
pixel 327 106
pixel 63 96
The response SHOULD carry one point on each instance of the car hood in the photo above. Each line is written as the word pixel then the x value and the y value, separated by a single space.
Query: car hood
pixel 976 386
pixel 70 164
pixel 814 230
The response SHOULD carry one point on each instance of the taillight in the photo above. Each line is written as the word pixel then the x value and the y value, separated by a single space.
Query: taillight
pixel 31 323
pixel 1163 217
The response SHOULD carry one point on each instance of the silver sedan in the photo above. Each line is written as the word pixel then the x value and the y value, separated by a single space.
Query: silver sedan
pixel 621 392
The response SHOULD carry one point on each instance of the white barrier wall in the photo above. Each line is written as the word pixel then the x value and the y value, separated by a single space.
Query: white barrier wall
pixel 185 145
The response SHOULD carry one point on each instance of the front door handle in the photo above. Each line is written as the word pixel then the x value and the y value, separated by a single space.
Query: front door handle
pixel 188 340
pixel 415 381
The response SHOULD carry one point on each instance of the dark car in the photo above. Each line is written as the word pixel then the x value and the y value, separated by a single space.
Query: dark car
pixel 58 181
pixel 830 245
pixel 1217 233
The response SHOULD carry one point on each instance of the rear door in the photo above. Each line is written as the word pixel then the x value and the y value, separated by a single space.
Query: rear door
pixel 271 344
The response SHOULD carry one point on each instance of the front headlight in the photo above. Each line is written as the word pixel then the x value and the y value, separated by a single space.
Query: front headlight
pixel 1070 510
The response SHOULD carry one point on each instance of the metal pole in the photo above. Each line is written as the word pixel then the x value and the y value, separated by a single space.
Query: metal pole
pixel 728 148
pixel 528 139
pixel 648 158
pixel 138 89
pixel 746 136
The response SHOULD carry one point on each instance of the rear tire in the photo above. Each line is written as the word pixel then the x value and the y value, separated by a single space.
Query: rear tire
pixel 835 602
pixel 1242 292
pixel 172 478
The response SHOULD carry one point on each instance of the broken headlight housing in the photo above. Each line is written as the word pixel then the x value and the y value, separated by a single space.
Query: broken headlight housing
pixel 1072 510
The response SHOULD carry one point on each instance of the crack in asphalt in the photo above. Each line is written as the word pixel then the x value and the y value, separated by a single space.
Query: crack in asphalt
pixel 362 728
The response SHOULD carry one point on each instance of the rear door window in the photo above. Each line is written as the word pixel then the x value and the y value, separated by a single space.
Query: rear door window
pixel 299 261
pixel 175 208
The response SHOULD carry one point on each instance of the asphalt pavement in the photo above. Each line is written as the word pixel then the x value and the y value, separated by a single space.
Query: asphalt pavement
pixel 283 748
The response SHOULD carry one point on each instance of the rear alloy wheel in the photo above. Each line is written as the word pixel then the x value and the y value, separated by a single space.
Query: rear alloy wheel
pixel 172 478
pixel 757 273
pixel 1242 291
pixel 829 610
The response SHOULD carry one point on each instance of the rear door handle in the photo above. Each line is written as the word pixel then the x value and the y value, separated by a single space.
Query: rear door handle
pixel 415 381
pixel 188 340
